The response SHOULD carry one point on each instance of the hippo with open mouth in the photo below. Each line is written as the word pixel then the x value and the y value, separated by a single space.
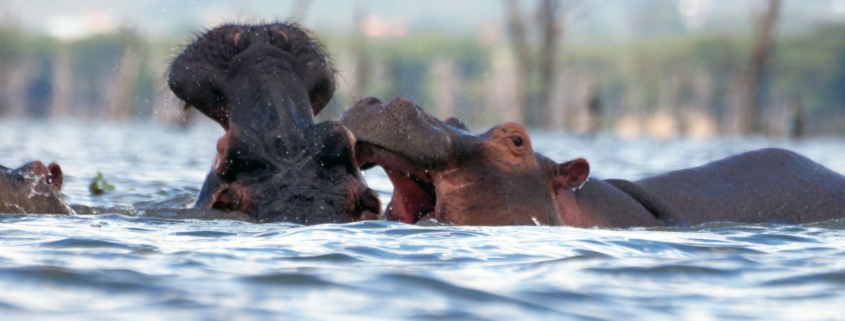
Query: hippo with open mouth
pixel 441 171
pixel 32 189
pixel 264 84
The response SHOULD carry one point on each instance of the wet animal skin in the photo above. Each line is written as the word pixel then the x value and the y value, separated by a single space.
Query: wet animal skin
pixel 263 84
pixel 442 171
pixel 32 189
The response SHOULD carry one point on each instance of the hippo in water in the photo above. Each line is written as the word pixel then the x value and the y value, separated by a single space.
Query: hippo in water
pixel 441 171
pixel 32 188
pixel 264 84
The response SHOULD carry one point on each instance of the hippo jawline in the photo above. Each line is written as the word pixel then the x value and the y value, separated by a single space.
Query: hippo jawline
pixel 414 194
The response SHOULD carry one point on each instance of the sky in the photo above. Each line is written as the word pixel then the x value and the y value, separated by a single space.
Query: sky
pixel 613 19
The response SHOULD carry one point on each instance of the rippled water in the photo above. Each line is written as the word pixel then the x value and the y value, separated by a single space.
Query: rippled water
pixel 127 266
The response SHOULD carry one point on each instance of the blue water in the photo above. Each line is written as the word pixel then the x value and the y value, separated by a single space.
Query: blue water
pixel 119 264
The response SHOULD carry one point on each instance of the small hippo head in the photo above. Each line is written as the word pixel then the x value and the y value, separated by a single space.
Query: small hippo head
pixel 263 84
pixel 439 170
pixel 32 188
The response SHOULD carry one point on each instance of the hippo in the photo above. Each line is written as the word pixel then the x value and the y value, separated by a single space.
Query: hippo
pixel 263 84
pixel 441 171
pixel 32 189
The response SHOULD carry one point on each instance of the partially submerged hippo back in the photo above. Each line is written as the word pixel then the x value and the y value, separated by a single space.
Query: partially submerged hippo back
pixel 767 185
pixel 263 84
pixel 32 189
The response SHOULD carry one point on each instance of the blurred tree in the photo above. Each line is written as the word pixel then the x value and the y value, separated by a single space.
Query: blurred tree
pixel 39 91
pixel 594 108
pixel 126 76
pixel 9 49
pixel 518 36
pixel 363 65
pixel 750 83
pixel 798 129
pixel 551 26
pixel 62 85
pixel 535 80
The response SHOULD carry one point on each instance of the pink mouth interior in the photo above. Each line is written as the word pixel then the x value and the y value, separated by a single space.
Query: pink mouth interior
pixel 413 189
pixel 412 199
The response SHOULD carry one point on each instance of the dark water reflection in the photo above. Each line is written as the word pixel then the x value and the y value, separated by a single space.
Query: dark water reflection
pixel 122 265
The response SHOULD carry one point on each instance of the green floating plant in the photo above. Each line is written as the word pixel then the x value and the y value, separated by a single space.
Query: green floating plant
pixel 99 185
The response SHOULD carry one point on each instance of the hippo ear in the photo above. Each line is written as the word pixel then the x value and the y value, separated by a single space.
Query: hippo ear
pixel 571 174
pixel 55 178
pixel 280 37
pixel 238 38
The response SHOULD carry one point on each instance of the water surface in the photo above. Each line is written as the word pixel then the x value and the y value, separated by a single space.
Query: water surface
pixel 113 263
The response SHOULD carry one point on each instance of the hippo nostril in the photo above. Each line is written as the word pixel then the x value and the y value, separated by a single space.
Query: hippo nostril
pixel 368 201
pixel 231 198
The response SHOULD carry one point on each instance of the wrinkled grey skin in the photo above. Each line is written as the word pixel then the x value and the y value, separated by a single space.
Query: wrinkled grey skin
pixel 441 171
pixel 32 189
pixel 263 84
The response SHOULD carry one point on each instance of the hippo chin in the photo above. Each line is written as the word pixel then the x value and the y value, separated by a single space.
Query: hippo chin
pixel 441 171
pixel 32 189
pixel 263 84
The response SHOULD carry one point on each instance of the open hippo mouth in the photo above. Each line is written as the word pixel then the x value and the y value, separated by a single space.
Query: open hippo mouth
pixel 414 196
pixel 413 148
pixel 263 84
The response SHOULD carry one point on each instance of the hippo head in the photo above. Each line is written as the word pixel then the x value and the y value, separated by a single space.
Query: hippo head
pixel 439 170
pixel 263 84
pixel 32 188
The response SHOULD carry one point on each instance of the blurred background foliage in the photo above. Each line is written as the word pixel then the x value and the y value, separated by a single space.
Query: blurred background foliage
pixel 673 74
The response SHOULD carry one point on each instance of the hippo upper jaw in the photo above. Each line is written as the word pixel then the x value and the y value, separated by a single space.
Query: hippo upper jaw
pixel 403 128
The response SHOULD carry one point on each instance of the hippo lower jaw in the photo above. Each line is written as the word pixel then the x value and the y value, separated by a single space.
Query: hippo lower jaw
pixel 414 196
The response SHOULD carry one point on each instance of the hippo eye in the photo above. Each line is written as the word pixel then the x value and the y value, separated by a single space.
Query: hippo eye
pixel 517 141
